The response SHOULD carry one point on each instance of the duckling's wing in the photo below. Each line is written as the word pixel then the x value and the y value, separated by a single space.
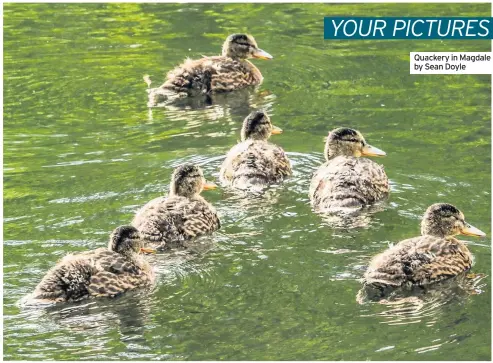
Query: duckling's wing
pixel 192 76
pixel 115 263
pixel 420 260
pixel 115 276
pixel 348 182
pixel 186 79
pixel 255 163
pixel 157 218
pixel 110 284
pixel 200 219
pixel 365 177
pixel 447 257
pixel 212 75
pixel 336 183
pixel 391 267
pixel 268 160
pixel 233 160
pixel 281 166
pixel 175 219
pixel 68 280
pixel 317 183
pixel 374 180
pixel 231 74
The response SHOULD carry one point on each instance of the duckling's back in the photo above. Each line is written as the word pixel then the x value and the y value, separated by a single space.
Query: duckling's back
pixel 170 220
pixel 348 182
pixel 67 281
pixel 418 261
pixel 212 75
pixel 99 272
pixel 255 164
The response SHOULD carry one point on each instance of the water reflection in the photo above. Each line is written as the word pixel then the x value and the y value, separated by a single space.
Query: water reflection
pixel 94 320
pixel 352 218
pixel 234 104
pixel 420 304
pixel 128 313
pixel 83 152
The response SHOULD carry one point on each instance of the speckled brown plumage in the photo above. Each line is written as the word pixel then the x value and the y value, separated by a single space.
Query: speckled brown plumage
pixel 168 221
pixel 215 74
pixel 347 180
pixel 434 256
pixel 419 260
pixel 212 75
pixel 101 272
pixel 255 163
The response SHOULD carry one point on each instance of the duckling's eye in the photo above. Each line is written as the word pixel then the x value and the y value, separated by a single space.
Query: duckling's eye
pixel 353 140
pixel 244 44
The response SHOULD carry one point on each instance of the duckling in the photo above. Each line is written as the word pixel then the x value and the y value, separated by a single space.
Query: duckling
pixel 434 256
pixel 346 180
pixel 101 272
pixel 208 75
pixel 182 215
pixel 254 162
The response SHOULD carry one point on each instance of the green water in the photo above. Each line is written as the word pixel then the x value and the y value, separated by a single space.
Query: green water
pixel 82 153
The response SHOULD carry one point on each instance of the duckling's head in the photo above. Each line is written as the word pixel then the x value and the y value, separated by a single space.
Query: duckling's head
pixel 188 181
pixel 243 46
pixel 348 142
pixel 126 240
pixel 443 219
pixel 257 126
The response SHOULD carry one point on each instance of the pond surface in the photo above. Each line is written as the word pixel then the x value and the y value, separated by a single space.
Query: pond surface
pixel 82 152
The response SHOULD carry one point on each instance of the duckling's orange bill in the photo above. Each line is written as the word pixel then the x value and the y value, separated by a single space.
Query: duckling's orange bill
pixel 472 231
pixel 209 186
pixel 369 150
pixel 261 54
pixel 147 250
pixel 276 130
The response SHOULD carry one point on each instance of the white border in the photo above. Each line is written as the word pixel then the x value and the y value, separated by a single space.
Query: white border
pixel 215 2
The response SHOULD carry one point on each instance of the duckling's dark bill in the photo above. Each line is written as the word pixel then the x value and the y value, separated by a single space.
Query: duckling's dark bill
pixel 261 54
pixel 369 150
pixel 472 231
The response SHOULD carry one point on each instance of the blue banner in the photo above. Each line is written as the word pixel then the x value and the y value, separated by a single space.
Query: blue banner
pixel 349 27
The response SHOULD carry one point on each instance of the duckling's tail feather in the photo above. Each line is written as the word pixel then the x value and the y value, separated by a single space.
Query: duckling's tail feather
pixel 147 80
pixel 64 282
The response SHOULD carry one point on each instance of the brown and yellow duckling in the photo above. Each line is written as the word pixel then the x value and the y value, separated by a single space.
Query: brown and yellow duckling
pixel 434 256
pixel 346 180
pixel 182 215
pixel 101 272
pixel 255 163
pixel 217 74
